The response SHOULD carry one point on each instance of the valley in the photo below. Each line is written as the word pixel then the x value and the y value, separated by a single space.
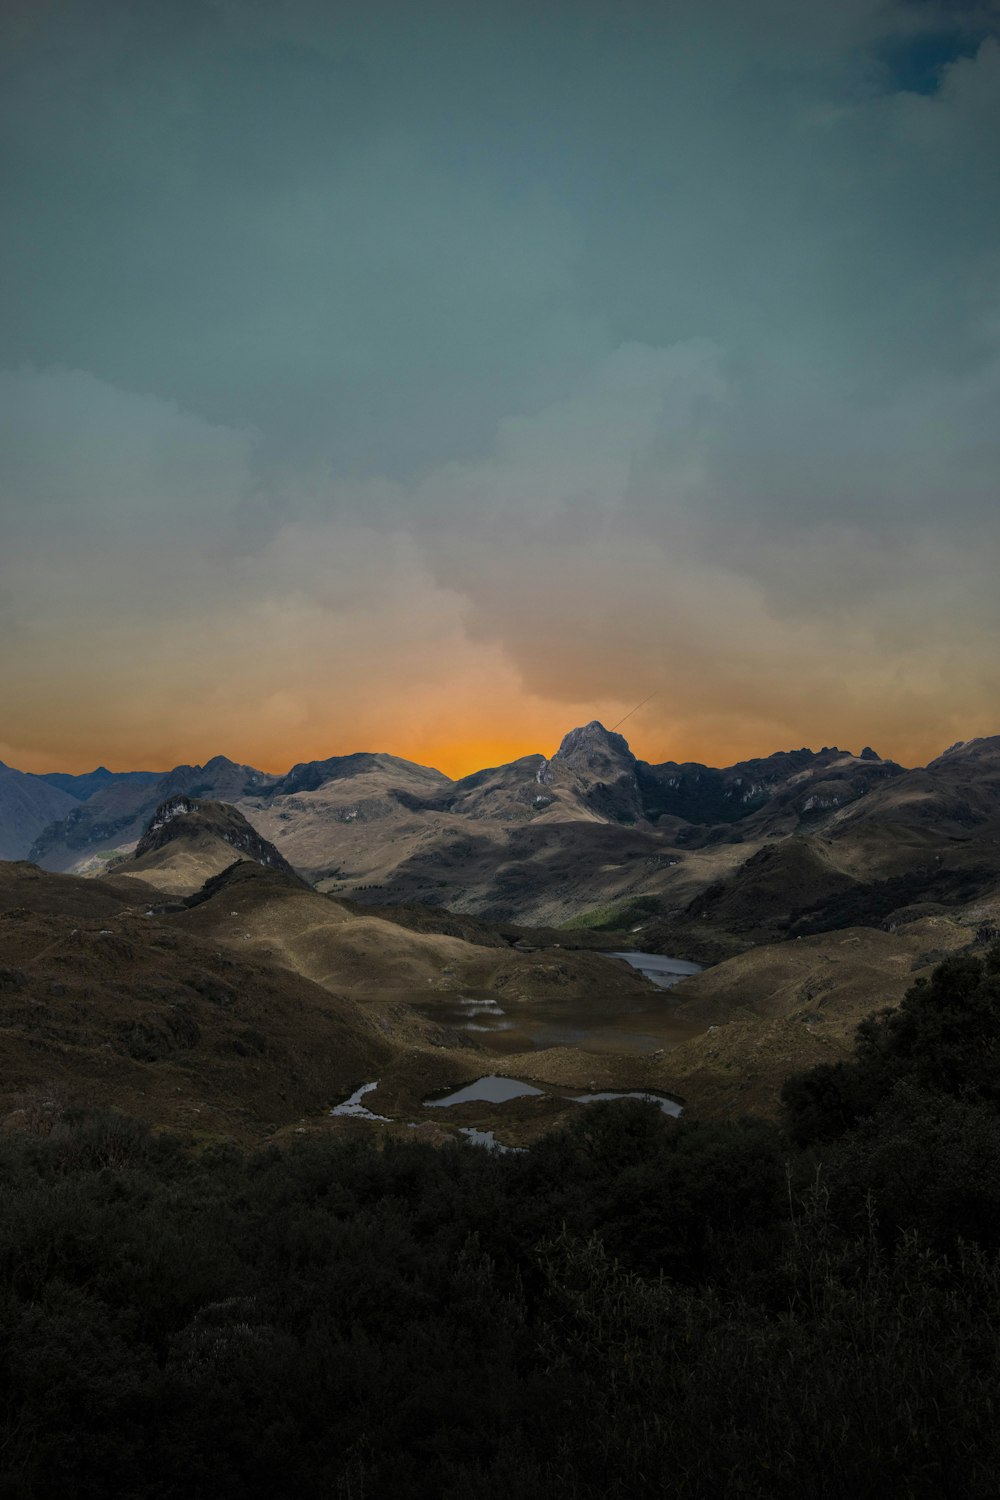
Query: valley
pixel 239 955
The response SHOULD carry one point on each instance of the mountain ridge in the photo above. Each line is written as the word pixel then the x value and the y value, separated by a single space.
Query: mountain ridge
pixel 545 840
pixel 28 804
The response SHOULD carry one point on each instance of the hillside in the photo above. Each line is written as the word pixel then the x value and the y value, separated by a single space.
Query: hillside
pixel 694 860
pixel 782 1007
pixel 105 1006
pixel 112 819
pixel 945 813
pixel 544 841
pixel 189 840
pixel 27 805
pixel 237 1005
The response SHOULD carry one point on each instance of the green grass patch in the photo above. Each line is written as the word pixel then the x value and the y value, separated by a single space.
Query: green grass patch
pixel 618 916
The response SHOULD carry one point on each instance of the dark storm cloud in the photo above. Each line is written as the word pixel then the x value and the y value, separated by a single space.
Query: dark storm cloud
pixel 627 346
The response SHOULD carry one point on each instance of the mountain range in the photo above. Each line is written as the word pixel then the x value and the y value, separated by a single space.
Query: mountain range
pixel 227 949
pixel 590 834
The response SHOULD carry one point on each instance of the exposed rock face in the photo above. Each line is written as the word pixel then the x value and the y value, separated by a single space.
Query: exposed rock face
pixel 187 818
pixel 606 769
pixel 593 748
pixel 542 839
pixel 767 795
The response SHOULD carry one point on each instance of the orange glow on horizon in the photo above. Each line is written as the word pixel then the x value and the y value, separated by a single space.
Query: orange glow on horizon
pixel 461 757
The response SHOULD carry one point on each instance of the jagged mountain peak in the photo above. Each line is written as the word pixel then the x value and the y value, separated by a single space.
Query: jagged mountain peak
pixel 591 740
pixel 603 768
pixel 189 818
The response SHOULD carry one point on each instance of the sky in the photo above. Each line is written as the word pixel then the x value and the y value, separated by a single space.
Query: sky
pixel 433 378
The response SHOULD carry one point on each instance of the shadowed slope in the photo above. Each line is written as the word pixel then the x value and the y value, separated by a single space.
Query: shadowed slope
pixel 947 812
pixel 27 805
pixel 114 818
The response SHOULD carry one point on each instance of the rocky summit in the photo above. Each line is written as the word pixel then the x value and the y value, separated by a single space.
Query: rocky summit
pixel 189 819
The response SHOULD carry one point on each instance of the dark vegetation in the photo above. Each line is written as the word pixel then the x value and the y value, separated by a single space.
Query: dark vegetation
pixel 869 904
pixel 635 1307
pixel 774 895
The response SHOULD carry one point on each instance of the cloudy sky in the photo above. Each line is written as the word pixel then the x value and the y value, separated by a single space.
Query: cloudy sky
pixel 434 377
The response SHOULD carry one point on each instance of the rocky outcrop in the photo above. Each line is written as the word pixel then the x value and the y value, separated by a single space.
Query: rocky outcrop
pixel 186 818
pixel 605 768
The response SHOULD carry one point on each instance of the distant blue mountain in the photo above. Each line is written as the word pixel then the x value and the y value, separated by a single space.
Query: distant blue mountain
pixel 84 786
pixel 27 804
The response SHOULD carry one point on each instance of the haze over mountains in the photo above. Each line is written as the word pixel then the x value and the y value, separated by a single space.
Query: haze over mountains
pixel 27 804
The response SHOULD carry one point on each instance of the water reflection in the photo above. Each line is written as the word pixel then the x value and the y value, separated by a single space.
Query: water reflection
pixel 491 1090
pixel 488 1139
pixel 660 970
pixel 355 1108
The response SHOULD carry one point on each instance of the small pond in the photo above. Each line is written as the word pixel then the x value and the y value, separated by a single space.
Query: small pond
pixel 488 1139
pixel 490 1090
pixel 659 970
pixel 355 1108
pixel 496 1090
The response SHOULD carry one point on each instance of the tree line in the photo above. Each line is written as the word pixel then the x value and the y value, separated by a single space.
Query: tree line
pixel 634 1307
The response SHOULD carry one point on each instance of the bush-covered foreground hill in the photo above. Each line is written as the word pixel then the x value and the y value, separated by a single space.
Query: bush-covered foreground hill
pixel 635 1307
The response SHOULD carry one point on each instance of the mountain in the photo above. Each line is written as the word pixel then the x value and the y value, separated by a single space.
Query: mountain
pixel 908 844
pixel 775 793
pixel 603 768
pixel 545 840
pixel 27 804
pixel 704 860
pixel 113 818
pixel 84 786
pixel 189 840
pixel 947 812
pixel 358 806
pixel 308 776
pixel 202 983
